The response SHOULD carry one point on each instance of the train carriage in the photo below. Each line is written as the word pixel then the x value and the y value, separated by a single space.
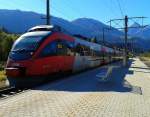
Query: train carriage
pixel 47 50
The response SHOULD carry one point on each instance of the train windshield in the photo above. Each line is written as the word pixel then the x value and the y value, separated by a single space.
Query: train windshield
pixel 25 46
pixel 29 43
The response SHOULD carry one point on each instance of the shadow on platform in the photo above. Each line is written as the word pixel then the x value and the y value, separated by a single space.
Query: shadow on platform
pixel 87 82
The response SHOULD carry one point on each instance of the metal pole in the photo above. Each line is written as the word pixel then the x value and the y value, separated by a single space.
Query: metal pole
pixel 48 12
pixel 103 43
pixel 126 38
pixel 103 37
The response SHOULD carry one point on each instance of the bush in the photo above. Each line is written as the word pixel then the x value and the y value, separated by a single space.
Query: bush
pixel 2 76
pixel 2 72
pixel 6 42
pixel 146 54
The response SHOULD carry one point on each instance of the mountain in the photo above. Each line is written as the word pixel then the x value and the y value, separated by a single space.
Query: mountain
pixel 140 35
pixel 96 28
pixel 95 25
pixel 134 31
pixel 143 33
pixel 17 21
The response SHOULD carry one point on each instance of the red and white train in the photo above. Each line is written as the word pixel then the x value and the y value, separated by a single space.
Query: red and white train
pixel 46 50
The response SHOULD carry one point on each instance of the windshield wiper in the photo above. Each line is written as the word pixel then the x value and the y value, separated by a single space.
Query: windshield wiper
pixel 23 50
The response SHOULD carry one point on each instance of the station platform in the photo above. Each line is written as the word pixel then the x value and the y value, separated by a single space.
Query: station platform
pixel 82 95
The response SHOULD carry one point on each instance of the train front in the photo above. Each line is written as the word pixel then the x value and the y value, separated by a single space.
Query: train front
pixel 21 58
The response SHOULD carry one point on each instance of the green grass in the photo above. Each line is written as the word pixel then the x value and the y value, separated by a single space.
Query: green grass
pixel 2 75
pixel 145 57
pixel 2 72
pixel 147 54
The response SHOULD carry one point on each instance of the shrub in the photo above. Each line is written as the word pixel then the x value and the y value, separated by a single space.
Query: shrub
pixel 6 42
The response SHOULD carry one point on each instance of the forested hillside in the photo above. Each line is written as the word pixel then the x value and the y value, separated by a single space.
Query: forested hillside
pixel 6 41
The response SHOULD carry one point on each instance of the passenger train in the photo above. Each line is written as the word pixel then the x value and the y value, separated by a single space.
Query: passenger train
pixel 47 50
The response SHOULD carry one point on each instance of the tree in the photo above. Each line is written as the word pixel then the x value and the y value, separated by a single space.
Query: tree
pixel 6 42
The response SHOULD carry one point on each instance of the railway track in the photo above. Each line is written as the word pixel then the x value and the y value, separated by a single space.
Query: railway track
pixel 10 91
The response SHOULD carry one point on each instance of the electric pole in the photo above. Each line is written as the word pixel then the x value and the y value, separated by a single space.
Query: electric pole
pixel 126 19
pixel 103 43
pixel 48 12
pixel 104 28
pixel 126 38
pixel 103 36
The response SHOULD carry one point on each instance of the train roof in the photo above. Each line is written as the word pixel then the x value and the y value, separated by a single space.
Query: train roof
pixel 45 28
pixel 37 33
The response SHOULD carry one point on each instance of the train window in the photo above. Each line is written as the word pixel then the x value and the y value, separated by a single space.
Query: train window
pixel 65 48
pixel 61 48
pixel 58 48
pixel 50 49
pixel 27 43
pixel 79 50
pixel 82 50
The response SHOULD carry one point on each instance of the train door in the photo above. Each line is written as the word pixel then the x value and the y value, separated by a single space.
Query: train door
pixel 65 53
pixel 61 53
pixel 47 62
pixel 103 50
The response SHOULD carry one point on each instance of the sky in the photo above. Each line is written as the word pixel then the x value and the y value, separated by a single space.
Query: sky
pixel 102 10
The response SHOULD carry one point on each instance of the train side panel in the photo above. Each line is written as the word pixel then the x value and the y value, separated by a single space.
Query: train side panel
pixel 51 65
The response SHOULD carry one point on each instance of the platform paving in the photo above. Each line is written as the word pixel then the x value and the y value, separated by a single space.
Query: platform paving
pixel 126 95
